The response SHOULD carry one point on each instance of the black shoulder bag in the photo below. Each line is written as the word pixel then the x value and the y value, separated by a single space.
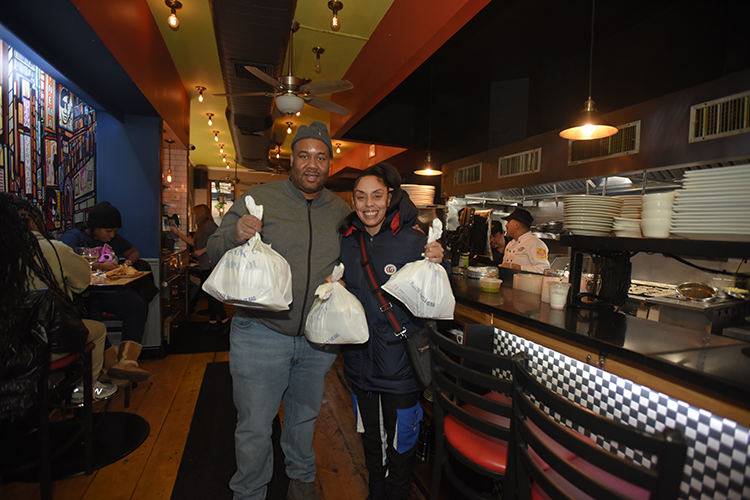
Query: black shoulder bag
pixel 417 344
pixel 66 331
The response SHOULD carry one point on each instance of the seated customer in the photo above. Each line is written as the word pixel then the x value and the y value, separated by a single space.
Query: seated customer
pixel 205 228
pixel 29 261
pixel 102 226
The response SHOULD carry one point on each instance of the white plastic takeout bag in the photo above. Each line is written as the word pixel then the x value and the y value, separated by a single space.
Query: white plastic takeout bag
pixel 252 275
pixel 336 317
pixel 423 286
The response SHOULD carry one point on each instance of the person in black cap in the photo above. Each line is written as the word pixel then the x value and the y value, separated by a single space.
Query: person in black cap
pixel 526 252
pixel 270 359
pixel 102 226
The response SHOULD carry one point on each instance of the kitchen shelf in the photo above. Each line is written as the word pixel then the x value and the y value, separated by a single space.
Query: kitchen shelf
pixel 683 247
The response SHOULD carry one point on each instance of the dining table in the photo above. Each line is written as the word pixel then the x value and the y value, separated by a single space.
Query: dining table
pixel 100 282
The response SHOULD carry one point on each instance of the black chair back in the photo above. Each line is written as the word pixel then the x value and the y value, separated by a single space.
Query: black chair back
pixel 466 378
pixel 597 472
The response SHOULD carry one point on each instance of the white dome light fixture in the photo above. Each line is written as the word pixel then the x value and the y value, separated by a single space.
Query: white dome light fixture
pixel 290 104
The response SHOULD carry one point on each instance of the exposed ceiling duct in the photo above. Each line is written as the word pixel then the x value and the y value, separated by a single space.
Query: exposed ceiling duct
pixel 251 33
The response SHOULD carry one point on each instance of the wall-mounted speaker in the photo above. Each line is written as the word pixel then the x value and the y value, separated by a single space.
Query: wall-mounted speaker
pixel 200 179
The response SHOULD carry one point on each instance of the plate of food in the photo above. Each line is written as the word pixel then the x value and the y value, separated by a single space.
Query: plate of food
pixel 123 271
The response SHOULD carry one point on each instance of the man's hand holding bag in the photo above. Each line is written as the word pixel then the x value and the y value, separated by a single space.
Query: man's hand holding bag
pixel 336 317
pixel 252 275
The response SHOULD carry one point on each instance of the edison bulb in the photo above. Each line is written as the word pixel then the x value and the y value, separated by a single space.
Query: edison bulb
pixel 588 130
pixel 335 22
pixel 174 23
pixel 200 97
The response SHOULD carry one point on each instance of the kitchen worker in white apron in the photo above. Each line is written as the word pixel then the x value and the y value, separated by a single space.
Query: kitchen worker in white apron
pixel 526 252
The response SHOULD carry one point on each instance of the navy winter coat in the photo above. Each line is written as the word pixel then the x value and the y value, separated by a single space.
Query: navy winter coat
pixel 381 363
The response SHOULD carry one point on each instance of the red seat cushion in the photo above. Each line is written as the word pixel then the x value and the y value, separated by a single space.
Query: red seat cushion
pixel 486 451
pixel 624 487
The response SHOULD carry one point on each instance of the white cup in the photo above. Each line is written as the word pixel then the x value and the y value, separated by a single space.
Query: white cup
pixel 558 295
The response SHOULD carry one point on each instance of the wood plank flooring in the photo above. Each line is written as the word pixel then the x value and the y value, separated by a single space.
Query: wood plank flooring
pixel 167 401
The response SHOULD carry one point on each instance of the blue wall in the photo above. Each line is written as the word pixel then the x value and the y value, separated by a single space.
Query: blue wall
pixel 129 176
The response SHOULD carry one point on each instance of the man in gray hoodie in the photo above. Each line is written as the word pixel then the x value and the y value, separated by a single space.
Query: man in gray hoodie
pixel 270 359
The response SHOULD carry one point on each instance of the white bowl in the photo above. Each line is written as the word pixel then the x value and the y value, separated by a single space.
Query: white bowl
pixel 655 228
pixel 657 214
pixel 657 205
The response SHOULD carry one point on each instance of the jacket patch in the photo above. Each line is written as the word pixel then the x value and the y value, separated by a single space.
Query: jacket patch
pixel 390 269
pixel 541 253
pixel 521 249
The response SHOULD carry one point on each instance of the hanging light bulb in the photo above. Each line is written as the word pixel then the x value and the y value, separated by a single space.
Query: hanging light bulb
pixel 224 158
pixel 200 93
pixel 317 51
pixel 289 127
pixel 338 148
pixel 297 113
pixel 210 121
pixel 169 160
pixel 221 148
pixel 589 124
pixel 172 20
pixel 335 6
pixel 216 135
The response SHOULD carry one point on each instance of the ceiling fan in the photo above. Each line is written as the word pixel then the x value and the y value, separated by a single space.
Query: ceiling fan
pixel 292 93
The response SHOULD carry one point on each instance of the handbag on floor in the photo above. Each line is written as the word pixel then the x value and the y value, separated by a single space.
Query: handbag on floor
pixel 416 344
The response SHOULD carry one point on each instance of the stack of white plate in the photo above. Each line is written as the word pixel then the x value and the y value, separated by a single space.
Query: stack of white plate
pixel 627 228
pixel 714 204
pixel 631 206
pixel 420 194
pixel 591 215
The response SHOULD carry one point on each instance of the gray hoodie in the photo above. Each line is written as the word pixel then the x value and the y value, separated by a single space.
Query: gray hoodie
pixel 305 234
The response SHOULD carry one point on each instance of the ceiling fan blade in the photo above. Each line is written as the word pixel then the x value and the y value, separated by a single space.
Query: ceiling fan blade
pixel 263 76
pixel 320 103
pixel 245 94
pixel 325 88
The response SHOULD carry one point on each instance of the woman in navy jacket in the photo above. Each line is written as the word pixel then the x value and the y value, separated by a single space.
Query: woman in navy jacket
pixel 379 370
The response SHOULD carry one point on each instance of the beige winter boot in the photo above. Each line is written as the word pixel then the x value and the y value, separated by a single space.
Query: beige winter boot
pixel 110 358
pixel 127 366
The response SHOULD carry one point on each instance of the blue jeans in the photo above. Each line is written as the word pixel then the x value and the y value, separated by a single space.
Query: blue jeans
pixel 267 368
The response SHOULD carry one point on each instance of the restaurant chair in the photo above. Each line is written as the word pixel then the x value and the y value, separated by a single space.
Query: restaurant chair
pixel 37 441
pixel 543 472
pixel 472 417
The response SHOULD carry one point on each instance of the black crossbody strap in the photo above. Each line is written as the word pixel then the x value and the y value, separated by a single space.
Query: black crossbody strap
pixel 385 306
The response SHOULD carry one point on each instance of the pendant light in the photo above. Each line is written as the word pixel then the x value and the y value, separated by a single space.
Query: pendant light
pixel 169 160
pixel 589 124
pixel 335 6
pixel 429 168
pixel 200 92
pixel 172 20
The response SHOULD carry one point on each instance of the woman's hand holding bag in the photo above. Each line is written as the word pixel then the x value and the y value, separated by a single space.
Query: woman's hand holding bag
pixel 252 275
pixel 336 317
pixel 423 286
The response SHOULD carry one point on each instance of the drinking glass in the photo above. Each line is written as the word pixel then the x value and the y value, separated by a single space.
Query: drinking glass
pixel 89 254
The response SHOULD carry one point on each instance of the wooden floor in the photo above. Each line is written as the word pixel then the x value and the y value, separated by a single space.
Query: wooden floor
pixel 167 401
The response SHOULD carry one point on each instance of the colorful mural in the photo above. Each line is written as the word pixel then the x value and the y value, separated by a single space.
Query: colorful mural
pixel 48 141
